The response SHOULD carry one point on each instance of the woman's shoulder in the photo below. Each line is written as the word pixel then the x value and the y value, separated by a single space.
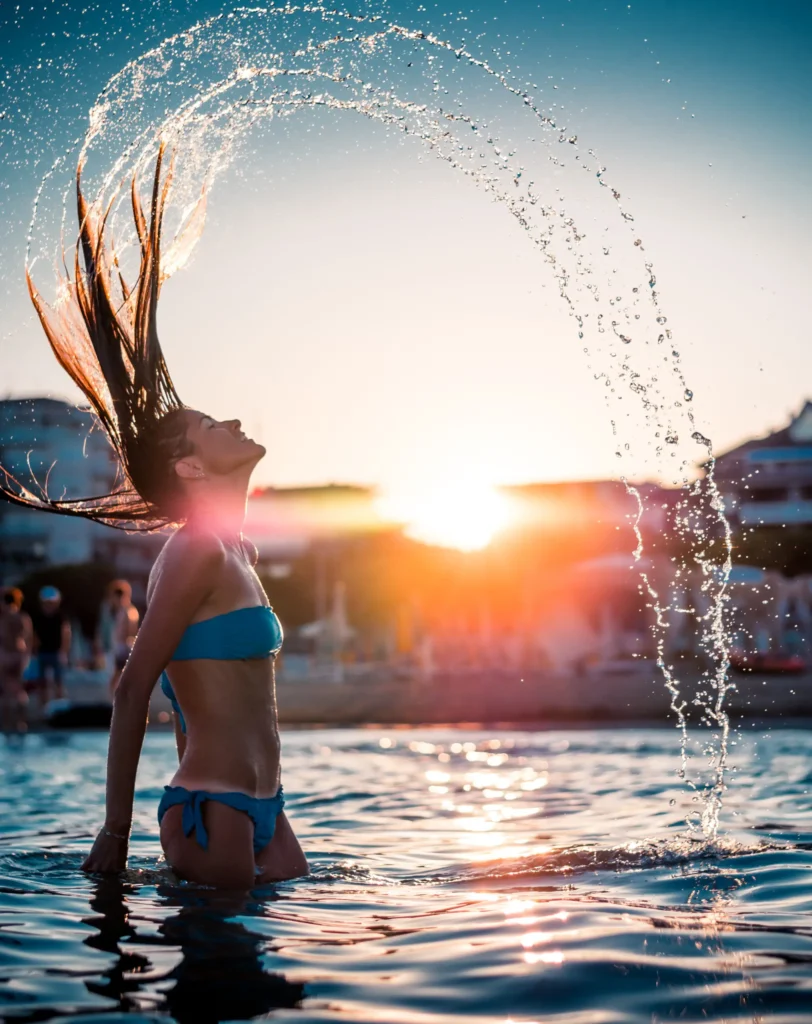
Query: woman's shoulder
pixel 186 552
pixel 192 546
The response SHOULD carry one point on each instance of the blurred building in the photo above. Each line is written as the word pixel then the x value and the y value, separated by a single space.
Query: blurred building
pixel 768 481
pixel 556 590
pixel 286 521
pixel 575 505
pixel 48 445
pixel 52 445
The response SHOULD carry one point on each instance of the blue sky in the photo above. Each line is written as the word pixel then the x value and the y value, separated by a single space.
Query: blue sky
pixel 382 322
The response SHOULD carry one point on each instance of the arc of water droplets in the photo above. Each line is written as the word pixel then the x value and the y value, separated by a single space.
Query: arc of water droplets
pixel 435 129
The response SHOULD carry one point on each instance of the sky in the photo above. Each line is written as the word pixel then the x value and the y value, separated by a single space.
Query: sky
pixel 372 317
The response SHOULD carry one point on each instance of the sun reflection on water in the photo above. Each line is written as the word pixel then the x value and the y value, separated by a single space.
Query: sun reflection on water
pixel 554 956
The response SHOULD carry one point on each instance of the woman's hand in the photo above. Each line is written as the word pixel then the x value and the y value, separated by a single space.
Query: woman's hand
pixel 107 854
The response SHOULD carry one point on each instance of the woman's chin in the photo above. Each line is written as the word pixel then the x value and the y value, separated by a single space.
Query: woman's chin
pixel 257 452
pixel 250 455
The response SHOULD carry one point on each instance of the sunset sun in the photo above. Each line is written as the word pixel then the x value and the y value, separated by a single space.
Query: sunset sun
pixel 466 517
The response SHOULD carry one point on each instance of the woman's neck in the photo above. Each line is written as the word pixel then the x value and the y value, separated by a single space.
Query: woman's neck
pixel 221 511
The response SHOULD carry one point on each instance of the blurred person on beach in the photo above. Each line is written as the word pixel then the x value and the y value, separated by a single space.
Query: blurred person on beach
pixel 208 631
pixel 118 626
pixel 52 639
pixel 16 637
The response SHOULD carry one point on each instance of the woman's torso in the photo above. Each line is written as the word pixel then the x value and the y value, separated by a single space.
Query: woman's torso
pixel 232 737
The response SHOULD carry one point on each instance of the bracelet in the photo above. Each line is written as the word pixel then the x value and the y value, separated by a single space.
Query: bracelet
pixel 113 835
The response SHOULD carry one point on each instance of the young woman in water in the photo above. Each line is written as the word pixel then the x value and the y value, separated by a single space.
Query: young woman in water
pixel 208 630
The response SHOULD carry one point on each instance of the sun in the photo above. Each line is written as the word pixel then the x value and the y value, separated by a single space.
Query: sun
pixel 466 517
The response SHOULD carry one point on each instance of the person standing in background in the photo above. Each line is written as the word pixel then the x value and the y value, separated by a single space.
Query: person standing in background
pixel 16 637
pixel 52 636
pixel 105 627
pixel 118 626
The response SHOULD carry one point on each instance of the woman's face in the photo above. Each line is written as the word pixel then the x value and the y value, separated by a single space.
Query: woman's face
pixel 220 445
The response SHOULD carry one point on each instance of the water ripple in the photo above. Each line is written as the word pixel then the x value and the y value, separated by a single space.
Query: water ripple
pixel 456 876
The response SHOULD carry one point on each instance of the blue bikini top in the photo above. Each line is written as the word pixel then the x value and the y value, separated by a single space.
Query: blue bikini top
pixel 254 632
pixel 245 633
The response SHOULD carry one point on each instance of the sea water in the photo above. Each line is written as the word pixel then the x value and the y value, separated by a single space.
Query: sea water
pixel 456 876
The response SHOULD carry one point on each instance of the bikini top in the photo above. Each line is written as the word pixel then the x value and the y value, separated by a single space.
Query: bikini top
pixel 254 632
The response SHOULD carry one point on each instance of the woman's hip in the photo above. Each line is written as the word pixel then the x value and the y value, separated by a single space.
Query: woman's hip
pixel 235 853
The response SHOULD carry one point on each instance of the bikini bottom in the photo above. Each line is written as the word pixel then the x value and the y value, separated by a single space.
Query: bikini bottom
pixel 263 811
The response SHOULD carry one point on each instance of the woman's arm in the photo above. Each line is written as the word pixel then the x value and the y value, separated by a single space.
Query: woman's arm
pixel 188 574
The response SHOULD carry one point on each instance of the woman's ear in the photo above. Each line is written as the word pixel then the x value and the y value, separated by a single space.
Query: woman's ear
pixel 189 468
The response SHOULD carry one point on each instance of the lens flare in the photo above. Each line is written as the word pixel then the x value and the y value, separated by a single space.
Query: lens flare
pixel 465 516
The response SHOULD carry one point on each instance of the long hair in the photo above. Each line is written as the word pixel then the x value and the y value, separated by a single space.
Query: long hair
pixel 104 335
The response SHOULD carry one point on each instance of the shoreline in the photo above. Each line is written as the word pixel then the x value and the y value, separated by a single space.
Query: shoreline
pixel 540 700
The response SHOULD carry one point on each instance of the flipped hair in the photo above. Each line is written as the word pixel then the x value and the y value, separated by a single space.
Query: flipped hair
pixel 104 335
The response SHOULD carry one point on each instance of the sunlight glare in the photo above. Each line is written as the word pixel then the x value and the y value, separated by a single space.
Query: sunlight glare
pixel 464 516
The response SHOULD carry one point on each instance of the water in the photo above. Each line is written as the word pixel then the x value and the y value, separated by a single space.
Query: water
pixel 225 91
pixel 524 876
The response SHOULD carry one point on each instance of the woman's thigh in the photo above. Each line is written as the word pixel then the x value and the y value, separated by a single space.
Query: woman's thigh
pixel 227 862
pixel 282 858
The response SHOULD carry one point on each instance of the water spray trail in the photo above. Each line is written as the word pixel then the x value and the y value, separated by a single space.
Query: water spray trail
pixel 205 89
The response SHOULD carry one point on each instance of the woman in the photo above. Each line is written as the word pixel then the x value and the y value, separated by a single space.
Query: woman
pixel 208 622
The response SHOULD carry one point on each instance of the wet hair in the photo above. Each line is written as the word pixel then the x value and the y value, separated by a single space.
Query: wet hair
pixel 13 597
pixel 104 335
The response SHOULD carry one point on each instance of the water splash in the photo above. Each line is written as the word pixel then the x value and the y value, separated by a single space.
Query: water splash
pixel 208 92
pixel 575 860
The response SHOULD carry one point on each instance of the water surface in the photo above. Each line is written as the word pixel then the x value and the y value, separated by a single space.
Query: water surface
pixel 520 876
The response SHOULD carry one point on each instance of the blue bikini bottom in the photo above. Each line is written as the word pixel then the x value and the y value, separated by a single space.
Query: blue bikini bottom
pixel 263 811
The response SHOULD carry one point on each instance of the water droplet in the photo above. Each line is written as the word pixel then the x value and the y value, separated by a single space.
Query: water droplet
pixel 688 394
